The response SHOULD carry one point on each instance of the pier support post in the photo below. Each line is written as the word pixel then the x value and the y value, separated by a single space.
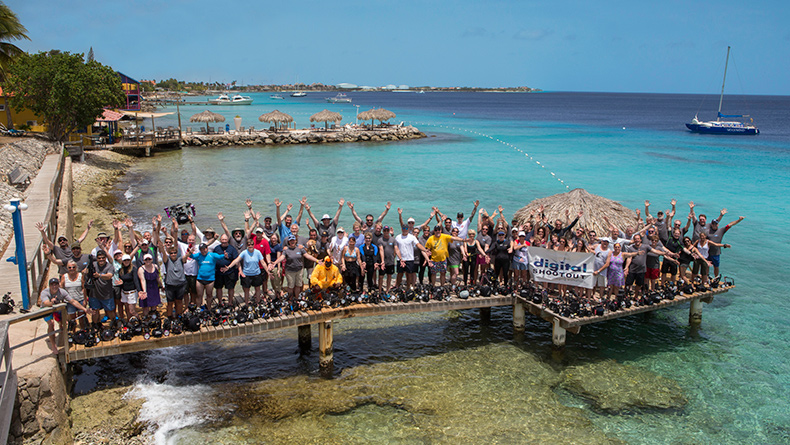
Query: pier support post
pixel 695 312
pixel 325 347
pixel 557 333
pixel 485 314
pixel 305 338
pixel 519 318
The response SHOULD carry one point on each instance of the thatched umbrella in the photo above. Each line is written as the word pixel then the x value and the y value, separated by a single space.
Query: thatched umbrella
pixel 207 116
pixel 367 115
pixel 277 117
pixel 594 207
pixel 326 116
pixel 383 114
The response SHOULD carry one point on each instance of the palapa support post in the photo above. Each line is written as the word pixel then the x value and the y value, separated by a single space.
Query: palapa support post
pixel 325 347
pixel 557 333
pixel 485 314
pixel 305 338
pixel 519 318
pixel 695 312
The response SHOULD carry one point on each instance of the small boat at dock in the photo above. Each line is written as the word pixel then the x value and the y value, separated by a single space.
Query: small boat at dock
pixel 237 99
pixel 339 99
pixel 276 97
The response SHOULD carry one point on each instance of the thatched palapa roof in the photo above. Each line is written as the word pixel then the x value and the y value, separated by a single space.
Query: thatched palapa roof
pixel 594 209
pixel 207 116
pixel 275 116
pixel 326 116
pixel 379 114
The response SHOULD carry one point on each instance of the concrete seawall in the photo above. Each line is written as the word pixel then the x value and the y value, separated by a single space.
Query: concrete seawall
pixel 305 136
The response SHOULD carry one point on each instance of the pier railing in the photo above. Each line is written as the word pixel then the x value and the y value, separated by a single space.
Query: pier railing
pixel 8 376
pixel 37 263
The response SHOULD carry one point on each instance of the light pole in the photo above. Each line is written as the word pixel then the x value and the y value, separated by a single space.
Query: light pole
pixel 20 257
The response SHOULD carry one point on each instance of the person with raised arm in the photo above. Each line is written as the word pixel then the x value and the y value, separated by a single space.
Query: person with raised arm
pixel 293 256
pixel 369 223
pixel 284 221
pixel 411 222
pixel 327 223
pixel 252 263
pixel 438 245
pixel 62 251
pixel 700 224
pixel 51 296
pixel 715 235
pixel 238 236
pixel 615 268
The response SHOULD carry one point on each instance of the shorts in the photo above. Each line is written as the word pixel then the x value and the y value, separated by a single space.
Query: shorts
pixel 205 282
pixel 480 259
pixel 408 267
pixel 223 281
pixel 294 279
pixel 116 290
pixel 389 269
pixel 252 281
pixel 129 296
pixel 192 284
pixel 453 266
pixel 635 278
pixel 72 309
pixel 439 267
pixel 175 292
pixel 600 279
pixel 107 305
pixel 517 265
pixel 652 274
pixel 714 259
pixel 669 267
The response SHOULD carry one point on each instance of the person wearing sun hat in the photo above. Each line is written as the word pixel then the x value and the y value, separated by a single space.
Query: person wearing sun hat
pixel 327 223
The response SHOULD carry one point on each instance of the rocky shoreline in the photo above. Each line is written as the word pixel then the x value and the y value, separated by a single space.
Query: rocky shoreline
pixel 287 137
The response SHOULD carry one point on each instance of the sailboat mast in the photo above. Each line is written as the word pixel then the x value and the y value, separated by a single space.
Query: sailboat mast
pixel 721 98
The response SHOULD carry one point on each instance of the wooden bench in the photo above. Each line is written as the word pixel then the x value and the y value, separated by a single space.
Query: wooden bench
pixel 18 177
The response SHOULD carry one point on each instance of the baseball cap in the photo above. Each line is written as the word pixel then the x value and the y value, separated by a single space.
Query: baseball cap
pixel 324 233
pixel 62 237
pixel 259 230
pixel 54 281
pixel 126 257
pixel 268 217
pixel 144 241
pixel 102 235
pixel 437 227
pixel 500 233
pixel 460 214
pixel 386 228
pixel 210 230
pixel 203 246
pixel 76 246
pixel 340 229
pixel 715 221
pixel 291 238
pixel 411 220
pixel 148 256
pixel 117 251
pixel 326 216
pixel 522 233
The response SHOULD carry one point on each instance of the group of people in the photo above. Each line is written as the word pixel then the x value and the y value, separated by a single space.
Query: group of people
pixel 126 271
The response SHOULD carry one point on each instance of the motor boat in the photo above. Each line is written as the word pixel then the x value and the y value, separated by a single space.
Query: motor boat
pixel 298 94
pixel 339 99
pixel 237 99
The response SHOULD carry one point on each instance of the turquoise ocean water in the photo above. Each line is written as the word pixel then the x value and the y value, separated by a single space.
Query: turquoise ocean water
pixel 628 147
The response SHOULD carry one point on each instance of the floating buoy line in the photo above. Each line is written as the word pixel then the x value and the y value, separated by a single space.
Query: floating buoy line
pixel 505 143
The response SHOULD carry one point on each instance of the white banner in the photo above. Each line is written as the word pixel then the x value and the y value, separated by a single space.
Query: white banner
pixel 551 266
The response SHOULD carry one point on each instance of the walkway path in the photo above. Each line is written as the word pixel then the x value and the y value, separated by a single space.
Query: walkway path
pixel 38 200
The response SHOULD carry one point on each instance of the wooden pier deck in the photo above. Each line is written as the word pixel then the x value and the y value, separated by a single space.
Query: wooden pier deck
pixel 562 324
pixel 298 319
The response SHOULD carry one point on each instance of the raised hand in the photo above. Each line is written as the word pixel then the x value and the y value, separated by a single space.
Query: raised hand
pixel 289 206
pixel 220 216
pixel 90 224
pixel 581 212
pixel 249 203
pixel 277 202
pixel 159 217
pixel 400 211
pixel 389 204
pixel 691 205
pixel 116 224
pixel 567 212
pixel 303 201
pixel 307 206
pixel 477 203
pixel 673 202
pixel 723 211
pixel 351 205
pixel 499 207
pixel 247 214
pixel 45 249
pixel 341 202
pixel 257 216
pixel 40 227
pixel 647 203
pixel 128 223
pixel 541 208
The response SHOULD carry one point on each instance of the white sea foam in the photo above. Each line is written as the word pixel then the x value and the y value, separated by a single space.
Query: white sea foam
pixel 170 408
pixel 128 194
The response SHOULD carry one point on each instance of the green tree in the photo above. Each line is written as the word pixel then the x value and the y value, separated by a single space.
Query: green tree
pixel 67 92
pixel 10 30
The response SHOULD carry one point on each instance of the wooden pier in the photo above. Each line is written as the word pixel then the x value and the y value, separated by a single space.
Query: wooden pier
pixel 303 320
pixel 560 325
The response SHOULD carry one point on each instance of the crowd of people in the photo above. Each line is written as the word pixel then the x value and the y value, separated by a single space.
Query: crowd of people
pixel 129 274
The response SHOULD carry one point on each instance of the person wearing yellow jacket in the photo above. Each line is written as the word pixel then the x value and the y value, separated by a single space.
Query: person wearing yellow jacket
pixel 326 276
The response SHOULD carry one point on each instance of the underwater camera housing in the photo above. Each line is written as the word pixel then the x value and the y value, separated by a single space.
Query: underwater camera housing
pixel 180 212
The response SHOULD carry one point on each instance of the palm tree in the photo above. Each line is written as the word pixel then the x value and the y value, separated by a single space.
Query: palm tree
pixel 10 30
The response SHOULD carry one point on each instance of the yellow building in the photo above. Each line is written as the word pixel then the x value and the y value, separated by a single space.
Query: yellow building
pixel 19 118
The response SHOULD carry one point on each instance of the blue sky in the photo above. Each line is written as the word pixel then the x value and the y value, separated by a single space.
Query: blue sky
pixel 634 46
